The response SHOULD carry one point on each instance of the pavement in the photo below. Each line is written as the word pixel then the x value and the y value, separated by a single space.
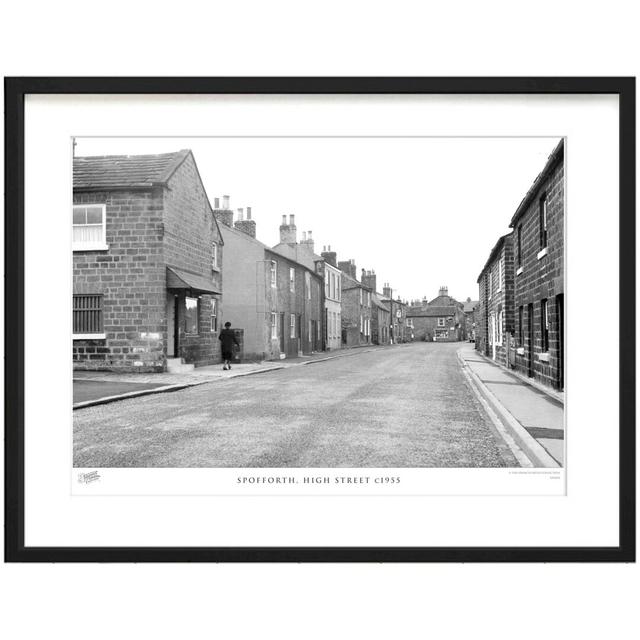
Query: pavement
pixel 99 387
pixel 400 406
pixel 533 416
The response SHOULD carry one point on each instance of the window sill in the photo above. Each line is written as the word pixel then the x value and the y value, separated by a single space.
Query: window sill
pixel 91 247
pixel 519 271
pixel 215 269
pixel 89 336
pixel 543 357
pixel 543 253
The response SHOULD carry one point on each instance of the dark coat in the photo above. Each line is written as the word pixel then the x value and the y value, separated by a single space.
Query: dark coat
pixel 228 339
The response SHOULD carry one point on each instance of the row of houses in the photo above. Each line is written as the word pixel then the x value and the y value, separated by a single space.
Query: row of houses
pixel 520 315
pixel 158 269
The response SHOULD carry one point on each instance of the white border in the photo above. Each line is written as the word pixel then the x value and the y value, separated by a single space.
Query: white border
pixel 586 516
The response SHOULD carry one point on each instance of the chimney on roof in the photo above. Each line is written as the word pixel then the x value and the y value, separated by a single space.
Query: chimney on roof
pixel 444 291
pixel 307 239
pixel 349 267
pixel 223 214
pixel 369 279
pixel 387 291
pixel 247 226
pixel 331 257
pixel 288 233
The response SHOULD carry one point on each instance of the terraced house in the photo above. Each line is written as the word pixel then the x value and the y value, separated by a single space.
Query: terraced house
pixel 538 238
pixel 440 320
pixel 147 256
pixel 272 300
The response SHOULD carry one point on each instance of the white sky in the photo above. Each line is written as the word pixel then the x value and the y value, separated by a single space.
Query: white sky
pixel 422 212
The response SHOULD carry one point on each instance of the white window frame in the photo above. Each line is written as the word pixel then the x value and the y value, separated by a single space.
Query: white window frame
pixel 274 326
pixel 214 255
pixel 197 331
pixel 292 280
pixel 91 246
pixel 307 281
pixel 499 276
pixel 274 274
pixel 442 322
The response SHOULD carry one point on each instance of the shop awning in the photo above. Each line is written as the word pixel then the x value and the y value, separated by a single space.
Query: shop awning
pixel 179 279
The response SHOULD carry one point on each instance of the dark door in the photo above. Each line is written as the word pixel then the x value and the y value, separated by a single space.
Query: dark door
pixel 282 350
pixel 530 331
pixel 176 327
pixel 560 338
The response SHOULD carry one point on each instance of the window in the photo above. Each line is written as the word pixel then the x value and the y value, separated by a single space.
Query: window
pixel 499 332
pixel 327 277
pixel 441 322
pixel 361 322
pixel 500 274
pixel 521 326
pixel 89 227
pixel 214 255
pixel 543 221
pixel 274 273
pixel 338 281
pixel 292 280
pixel 489 283
pixel 519 246
pixel 274 326
pixel 88 316
pixel 307 282
pixel 360 296
pixel 544 326
pixel 292 325
pixel 214 315
pixel 192 306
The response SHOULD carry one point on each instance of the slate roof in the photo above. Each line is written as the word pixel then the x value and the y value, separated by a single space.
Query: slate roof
pixel 554 159
pixel 101 172
pixel 431 312
pixel 379 303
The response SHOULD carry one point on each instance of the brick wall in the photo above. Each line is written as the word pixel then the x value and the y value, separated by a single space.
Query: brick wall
pixel 352 311
pixel 131 278
pixel 189 233
pixel 542 278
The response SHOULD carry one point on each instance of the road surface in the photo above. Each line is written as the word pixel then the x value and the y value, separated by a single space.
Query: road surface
pixel 401 406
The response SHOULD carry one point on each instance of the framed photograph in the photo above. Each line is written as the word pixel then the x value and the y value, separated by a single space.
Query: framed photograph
pixel 320 319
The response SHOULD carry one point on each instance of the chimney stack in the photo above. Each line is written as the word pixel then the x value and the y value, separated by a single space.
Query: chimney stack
pixel 247 226
pixel 444 291
pixel 387 292
pixel 288 233
pixel 223 214
pixel 330 257
pixel 369 279
pixel 349 267
pixel 307 239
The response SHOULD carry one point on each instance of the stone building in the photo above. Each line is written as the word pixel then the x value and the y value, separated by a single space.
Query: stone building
pixel 538 246
pixel 380 312
pixel 496 285
pixel 400 328
pixel 356 307
pixel 147 256
pixel 440 320
pixel 272 300
pixel 470 316
pixel 326 267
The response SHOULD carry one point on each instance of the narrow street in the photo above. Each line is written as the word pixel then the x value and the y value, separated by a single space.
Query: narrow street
pixel 403 406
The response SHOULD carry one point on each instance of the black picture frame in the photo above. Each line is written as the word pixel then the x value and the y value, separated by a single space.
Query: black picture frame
pixel 15 91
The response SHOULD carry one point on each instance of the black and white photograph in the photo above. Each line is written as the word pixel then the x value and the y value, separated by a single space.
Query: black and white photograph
pixel 362 302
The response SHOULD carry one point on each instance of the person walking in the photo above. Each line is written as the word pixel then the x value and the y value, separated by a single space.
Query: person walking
pixel 228 339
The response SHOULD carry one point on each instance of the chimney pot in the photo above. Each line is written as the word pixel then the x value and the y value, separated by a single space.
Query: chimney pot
pixel 284 220
pixel 216 203
pixel 292 219
pixel 248 213
pixel 225 202
pixel 304 236
pixel 329 248
pixel 240 214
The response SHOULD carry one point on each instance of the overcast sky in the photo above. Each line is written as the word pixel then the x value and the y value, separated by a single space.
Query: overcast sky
pixel 421 212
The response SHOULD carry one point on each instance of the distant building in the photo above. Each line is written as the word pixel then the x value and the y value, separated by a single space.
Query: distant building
pixel 147 264
pixel 380 312
pixel 273 300
pixel 496 321
pixel 538 240
pixel 440 320
pixel 356 307
pixel 398 312
pixel 470 315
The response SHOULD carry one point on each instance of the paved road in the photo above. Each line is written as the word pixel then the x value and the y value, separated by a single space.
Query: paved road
pixel 403 406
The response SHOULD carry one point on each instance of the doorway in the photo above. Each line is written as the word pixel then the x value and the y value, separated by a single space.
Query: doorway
pixel 560 339
pixel 530 332
pixel 172 325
